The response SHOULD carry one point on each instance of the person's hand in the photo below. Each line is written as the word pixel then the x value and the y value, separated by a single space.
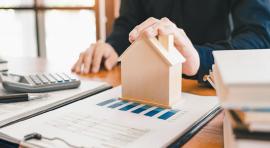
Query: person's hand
pixel 91 59
pixel 153 27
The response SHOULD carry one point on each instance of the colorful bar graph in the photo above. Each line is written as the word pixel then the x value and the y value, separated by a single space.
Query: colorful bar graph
pixel 106 102
pixel 154 112
pixel 114 103
pixel 117 104
pixel 141 109
pixel 128 107
pixel 168 114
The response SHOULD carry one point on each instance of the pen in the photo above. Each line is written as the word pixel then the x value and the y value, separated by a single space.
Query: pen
pixel 11 98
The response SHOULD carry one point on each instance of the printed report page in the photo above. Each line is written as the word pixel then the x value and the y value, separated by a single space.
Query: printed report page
pixel 104 120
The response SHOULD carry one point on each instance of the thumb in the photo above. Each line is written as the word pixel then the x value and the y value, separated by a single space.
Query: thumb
pixel 110 62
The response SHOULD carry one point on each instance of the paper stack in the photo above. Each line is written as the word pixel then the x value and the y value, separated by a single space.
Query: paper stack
pixel 242 77
pixel 242 82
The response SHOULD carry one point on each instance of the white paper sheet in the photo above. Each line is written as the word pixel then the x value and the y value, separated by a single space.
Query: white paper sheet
pixel 11 111
pixel 84 123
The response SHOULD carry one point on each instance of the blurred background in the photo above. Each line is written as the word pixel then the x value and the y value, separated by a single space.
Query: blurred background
pixel 53 29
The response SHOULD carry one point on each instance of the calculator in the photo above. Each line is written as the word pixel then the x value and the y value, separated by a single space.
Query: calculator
pixel 36 83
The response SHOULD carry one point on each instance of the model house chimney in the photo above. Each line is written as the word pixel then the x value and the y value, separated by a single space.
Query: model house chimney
pixel 166 41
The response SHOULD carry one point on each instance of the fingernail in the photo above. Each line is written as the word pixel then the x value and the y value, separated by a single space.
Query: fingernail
pixel 130 39
pixel 133 35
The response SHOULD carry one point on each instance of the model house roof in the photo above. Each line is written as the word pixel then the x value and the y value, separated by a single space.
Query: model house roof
pixel 170 56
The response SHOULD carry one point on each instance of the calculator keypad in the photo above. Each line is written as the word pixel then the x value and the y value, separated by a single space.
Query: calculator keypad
pixel 43 79
pixel 64 77
pixel 35 79
pixel 50 78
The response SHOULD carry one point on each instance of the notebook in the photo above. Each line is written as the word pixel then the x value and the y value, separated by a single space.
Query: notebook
pixel 104 120
pixel 14 112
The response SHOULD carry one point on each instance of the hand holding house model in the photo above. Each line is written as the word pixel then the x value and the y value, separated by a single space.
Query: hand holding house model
pixel 151 72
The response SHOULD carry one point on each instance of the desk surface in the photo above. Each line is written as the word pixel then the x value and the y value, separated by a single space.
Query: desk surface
pixel 210 136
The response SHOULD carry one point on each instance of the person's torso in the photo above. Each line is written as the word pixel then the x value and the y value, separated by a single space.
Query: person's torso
pixel 203 20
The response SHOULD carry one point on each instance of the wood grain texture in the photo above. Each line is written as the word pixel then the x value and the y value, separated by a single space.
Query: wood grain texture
pixel 211 136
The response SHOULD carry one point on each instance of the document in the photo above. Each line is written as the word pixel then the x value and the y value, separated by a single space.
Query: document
pixel 11 112
pixel 104 131
pixel 104 120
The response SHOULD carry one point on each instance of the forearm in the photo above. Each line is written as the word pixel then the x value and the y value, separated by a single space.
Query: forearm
pixel 248 40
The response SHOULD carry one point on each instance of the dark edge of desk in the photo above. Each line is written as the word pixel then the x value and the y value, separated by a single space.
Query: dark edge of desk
pixel 195 128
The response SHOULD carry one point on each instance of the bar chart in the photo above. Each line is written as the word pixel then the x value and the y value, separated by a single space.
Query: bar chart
pixel 137 108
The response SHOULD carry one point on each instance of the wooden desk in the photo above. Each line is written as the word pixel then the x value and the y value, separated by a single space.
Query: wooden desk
pixel 211 136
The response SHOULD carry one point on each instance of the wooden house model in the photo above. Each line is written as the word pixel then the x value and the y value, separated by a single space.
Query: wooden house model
pixel 151 72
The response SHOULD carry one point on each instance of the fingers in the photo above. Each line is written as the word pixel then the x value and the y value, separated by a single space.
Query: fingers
pixel 151 28
pixel 151 31
pixel 77 66
pixel 88 59
pixel 166 27
pixel 134 34
pixel 181 41
pixel 91 59
pixel 165 20
pixel 111 61
pixel 84 62
pixel 176 32
pixel 97 58
pixel 185 47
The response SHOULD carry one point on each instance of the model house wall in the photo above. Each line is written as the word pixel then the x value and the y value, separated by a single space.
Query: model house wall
pixel 149 75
